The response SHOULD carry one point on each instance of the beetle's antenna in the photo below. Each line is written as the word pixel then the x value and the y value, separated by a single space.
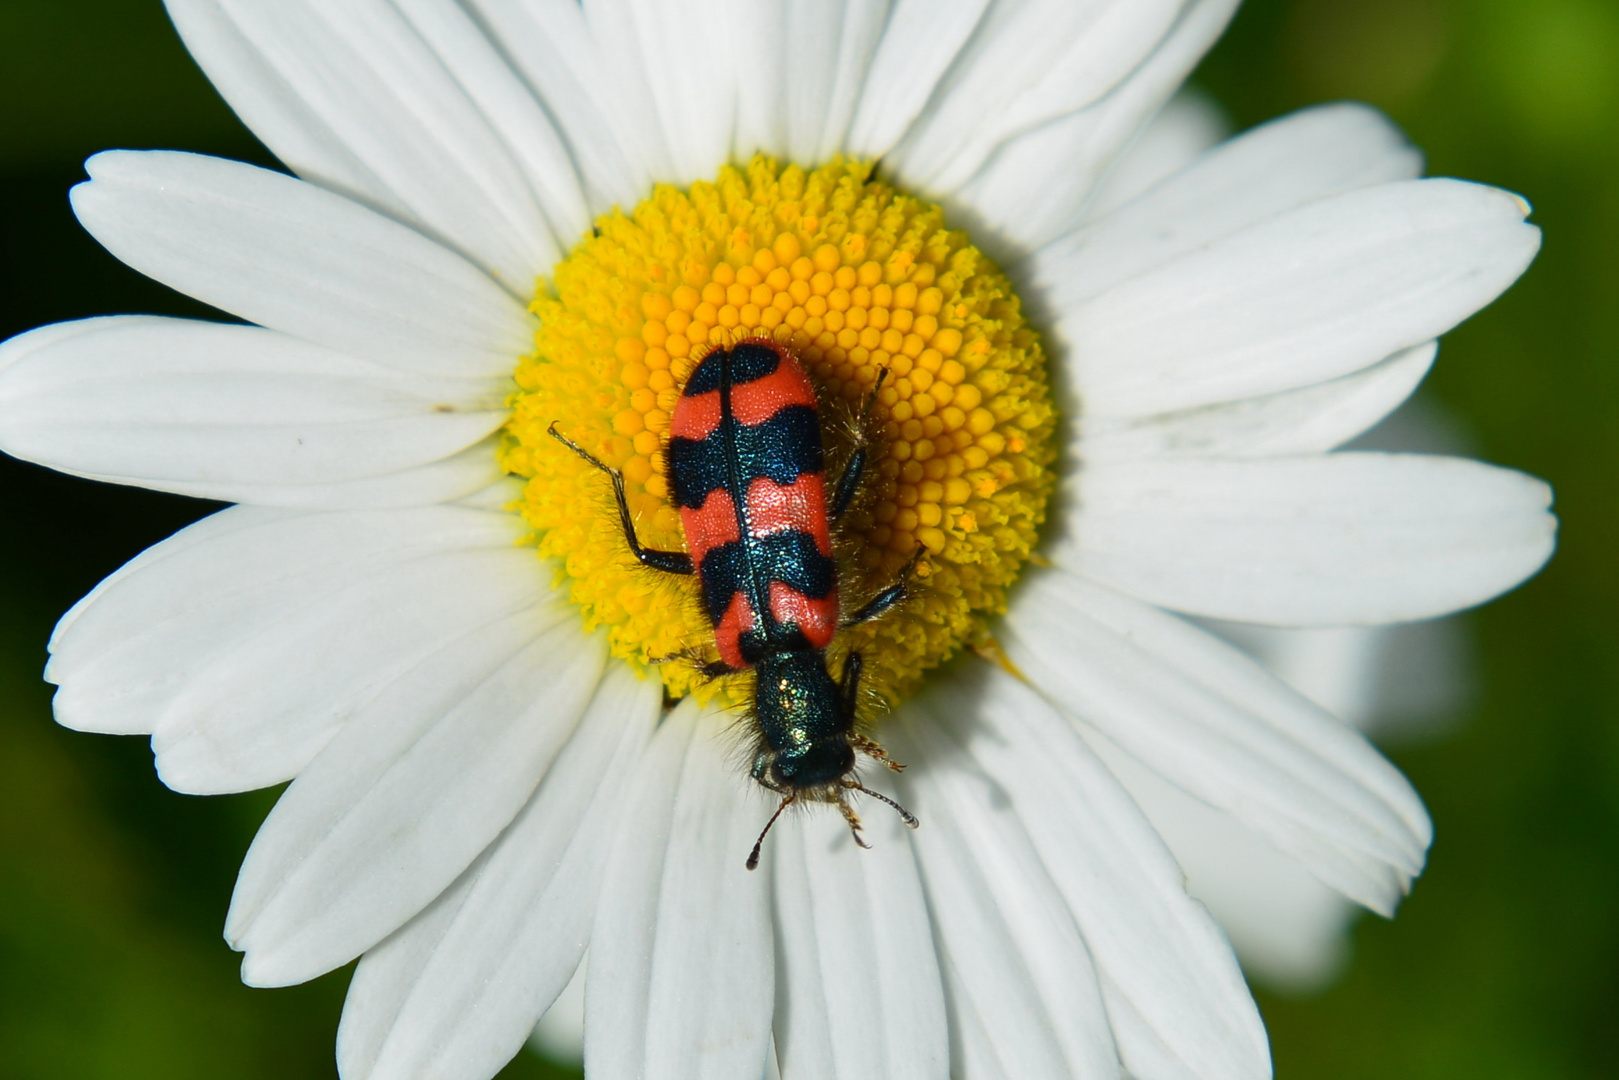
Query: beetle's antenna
pixel 904 814
pixel 753 856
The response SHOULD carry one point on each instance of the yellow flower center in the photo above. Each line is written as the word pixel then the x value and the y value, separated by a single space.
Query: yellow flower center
pixel 857 279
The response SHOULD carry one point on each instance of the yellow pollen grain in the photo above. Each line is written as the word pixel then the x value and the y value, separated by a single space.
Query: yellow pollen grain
pixel 871 290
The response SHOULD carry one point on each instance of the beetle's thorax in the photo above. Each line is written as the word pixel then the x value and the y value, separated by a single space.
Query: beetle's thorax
pixel 803 719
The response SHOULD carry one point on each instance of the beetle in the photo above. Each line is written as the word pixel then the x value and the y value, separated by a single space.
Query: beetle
pixel 747 471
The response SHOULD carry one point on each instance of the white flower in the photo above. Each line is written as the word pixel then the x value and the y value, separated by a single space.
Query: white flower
pixel 480 792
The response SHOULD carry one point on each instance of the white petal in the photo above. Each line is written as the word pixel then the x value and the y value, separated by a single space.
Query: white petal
pixel 1268 170
pixel 1211 720
pixel 472 470
pixel 973 1049
pixel 446 480
pixel 682 970
pixel 1312 419
pixel 503 494
pixel 1428 677
pixel 857 978
pixel 559 1037
pixel 550 45
pixel 1039 184
pixel 296 258
pixel 246 650
pixel 823 87
pixel 761 108
pixel 1175 998
pixel 1314 293
pixel 384 979
pixel 256 712
pixel 1309 541
pixel 118 608
pixel 921 40
pixel 1024 65
pixel 672 78
pixel 1403 683
pixel 199 606
pixel 520 119
pixel 799 89
pixel 225 410
pixel 1337 667
pixel 454 995
pixel 405 107
pixel 1188 125
pixel 1011 953
pixel 1288 929
pixel 401 801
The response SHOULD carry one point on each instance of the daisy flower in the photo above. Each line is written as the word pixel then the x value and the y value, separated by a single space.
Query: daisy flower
pixel 1114 382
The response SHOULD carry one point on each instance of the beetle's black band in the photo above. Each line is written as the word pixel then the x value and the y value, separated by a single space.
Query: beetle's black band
pixel 783 448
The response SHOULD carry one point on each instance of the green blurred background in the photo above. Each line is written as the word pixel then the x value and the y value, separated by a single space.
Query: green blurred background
pixel 1503 964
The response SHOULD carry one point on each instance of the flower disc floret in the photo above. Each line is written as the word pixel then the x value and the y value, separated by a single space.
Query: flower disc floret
pixel 871 290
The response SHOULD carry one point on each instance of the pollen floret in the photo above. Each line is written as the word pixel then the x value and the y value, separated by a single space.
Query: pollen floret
pixel 859 280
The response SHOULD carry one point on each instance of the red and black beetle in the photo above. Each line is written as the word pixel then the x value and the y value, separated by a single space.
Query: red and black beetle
pixel 747 472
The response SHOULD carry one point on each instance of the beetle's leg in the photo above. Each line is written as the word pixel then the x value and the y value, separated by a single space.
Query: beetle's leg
pixel 872 749
pixel 854 822
pixel 851 689
pixel 708 669
pixel 670 562
pixel 855 470
pixel 851 683
pixel 849 482
pixel 716 668
pixel 888 597
pixel 879 604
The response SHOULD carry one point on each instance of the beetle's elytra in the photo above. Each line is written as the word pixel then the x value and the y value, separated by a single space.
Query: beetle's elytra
pixel 747 471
